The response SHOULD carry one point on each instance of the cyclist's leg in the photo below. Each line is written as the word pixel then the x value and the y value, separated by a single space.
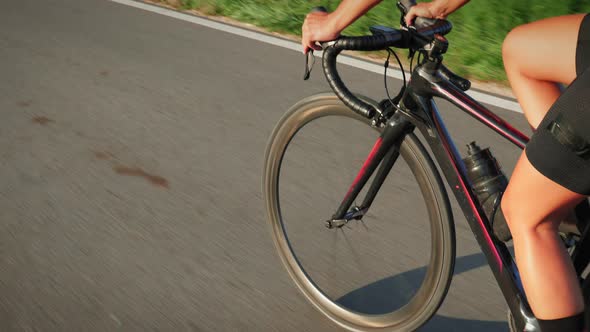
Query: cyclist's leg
pixel 533 206
pixel 536 56
pixel 550 177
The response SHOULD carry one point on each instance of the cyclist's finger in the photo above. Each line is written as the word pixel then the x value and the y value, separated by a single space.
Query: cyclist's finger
pixel 307 44
pixel 411 15
pixel 310 45
pixel 305 40
pixel 304 45
pixel 306 35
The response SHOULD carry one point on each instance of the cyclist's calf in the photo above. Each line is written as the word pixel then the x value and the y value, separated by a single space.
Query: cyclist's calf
pixel 533 206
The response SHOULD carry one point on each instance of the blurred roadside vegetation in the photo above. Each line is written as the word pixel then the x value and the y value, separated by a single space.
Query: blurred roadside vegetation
pixel 476 40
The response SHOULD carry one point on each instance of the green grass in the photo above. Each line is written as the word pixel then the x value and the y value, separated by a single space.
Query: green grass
pixel 475 43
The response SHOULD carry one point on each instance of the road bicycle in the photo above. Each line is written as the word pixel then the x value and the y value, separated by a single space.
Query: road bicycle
pixel 394 120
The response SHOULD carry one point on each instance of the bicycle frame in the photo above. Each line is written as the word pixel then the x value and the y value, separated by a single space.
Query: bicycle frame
pixel 451 163
pixel 421 111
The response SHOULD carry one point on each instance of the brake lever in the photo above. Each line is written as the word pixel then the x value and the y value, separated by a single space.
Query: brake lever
pixel 309 54
pixel 308 68
pixel 404 11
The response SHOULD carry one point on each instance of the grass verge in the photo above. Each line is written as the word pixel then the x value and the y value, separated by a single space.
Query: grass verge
pixel 476 40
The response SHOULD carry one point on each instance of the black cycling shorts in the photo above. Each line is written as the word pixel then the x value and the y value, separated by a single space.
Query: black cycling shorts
pixel 560 147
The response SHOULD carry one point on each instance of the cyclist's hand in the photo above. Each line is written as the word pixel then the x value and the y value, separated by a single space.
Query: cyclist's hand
pixel 423 9
pixel 317 27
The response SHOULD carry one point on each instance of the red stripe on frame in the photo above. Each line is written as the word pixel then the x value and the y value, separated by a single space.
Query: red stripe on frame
pixel 365 165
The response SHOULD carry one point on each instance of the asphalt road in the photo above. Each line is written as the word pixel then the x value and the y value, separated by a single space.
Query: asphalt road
pixel 131 152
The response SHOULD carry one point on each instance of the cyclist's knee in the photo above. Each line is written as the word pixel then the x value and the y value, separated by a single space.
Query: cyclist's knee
pixel 523 218
pixel 512 48
pixel 509 209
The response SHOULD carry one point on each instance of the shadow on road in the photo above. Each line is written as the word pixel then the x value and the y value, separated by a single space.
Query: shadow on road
pixel 392 293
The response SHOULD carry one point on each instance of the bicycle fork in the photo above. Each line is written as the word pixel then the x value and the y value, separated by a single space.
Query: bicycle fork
pixel 384 152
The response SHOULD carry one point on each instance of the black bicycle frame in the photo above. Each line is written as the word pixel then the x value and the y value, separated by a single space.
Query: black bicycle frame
pixel 425 85
pixel 421 112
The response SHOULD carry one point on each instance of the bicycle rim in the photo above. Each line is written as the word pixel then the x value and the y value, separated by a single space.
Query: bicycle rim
pixel 436 272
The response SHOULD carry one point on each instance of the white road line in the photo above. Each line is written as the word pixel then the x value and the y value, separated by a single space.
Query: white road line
pixel 344 59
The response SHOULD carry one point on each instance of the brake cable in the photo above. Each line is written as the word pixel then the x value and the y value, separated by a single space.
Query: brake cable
pixel 402 90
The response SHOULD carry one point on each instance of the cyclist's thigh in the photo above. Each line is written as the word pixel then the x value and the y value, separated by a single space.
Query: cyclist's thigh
pixel 560 147
pixel 546 49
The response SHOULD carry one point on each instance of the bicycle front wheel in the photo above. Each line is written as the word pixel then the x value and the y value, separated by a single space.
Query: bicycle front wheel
pixel 389 271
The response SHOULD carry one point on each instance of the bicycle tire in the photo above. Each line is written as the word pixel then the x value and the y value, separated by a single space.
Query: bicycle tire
pixel 440 268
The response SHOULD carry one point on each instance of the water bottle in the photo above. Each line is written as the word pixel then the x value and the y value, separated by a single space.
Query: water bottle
pixel 489 184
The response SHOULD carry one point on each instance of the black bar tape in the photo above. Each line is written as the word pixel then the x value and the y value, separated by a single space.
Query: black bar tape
pixel 366 43
pixel 357 105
